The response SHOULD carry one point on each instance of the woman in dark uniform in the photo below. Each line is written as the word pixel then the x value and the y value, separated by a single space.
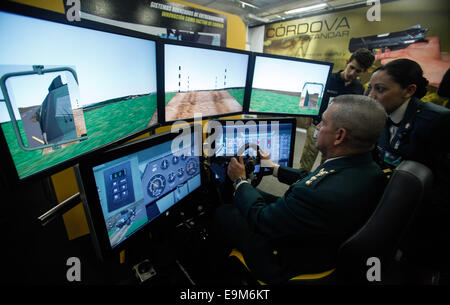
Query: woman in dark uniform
pixel 417 131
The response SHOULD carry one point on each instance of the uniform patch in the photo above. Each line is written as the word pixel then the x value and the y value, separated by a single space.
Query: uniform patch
pixel 322 173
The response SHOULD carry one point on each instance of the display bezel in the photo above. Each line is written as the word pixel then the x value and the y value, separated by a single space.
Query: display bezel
pixel 89 194
pixel 46 15
pixel 289 120
pixel 207 47
pixel 325 97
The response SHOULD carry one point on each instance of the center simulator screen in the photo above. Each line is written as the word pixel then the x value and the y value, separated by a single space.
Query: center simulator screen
pixel 292 86
pixel 136 188
pixel 203 82
pixel 272 135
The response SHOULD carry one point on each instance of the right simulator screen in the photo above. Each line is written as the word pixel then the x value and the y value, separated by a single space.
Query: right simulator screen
pixel 203 82
pixel 288 86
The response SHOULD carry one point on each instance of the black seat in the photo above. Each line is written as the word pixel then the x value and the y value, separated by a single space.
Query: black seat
pixel 444 86
pixel 379 238
pixel 382 234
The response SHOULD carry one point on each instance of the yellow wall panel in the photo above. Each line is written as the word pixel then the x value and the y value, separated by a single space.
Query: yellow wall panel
pixel 65 185
pixel 51 5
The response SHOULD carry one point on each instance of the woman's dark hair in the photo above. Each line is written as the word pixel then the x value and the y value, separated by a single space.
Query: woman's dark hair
pixel 406 72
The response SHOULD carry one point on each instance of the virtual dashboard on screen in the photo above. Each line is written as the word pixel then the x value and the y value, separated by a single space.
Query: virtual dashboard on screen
pixel 136 189
pixel 275 141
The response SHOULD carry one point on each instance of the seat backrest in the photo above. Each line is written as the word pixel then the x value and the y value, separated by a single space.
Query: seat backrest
pixel 444 86
pixel 381 234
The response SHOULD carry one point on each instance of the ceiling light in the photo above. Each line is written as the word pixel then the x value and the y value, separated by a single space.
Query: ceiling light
pixel 244 4
pixel 306 8
pixel 251 16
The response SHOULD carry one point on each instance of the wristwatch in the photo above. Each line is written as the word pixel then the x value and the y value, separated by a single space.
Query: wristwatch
pixel 238 180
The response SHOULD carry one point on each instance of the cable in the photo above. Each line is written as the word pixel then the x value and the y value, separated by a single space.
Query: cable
pixel 185 272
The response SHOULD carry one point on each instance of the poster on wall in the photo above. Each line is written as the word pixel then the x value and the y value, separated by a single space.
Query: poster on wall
pixel 161 18
pixel 419 32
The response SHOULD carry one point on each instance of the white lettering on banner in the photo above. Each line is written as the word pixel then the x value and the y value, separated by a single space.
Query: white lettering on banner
pixel 73 12
pixel 374 13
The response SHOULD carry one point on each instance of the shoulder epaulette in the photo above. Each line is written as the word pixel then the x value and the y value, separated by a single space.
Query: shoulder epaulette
pixel 387 173
pixel 319 176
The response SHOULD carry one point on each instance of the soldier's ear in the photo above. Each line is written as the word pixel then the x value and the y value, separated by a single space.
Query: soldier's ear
pixel 410 90
pixel 341 136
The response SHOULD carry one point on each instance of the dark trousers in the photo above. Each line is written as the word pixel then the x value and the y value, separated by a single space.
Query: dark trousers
pixel 230 230
pixel 231 226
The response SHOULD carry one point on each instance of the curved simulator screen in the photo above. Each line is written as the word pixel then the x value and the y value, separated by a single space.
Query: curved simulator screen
pixel 135 189
pixel 288 86
pixel 67 90
pixel 202 82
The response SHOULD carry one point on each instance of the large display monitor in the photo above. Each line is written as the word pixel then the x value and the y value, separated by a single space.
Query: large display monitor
pixel 67 90
pixel 288 86
pixel 275 136
pixel 125 189
pixel 203 81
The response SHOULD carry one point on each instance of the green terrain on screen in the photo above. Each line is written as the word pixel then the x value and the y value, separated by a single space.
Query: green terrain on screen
pixel 168 97
pixel 272 102
pixel 103 124
pixel 238 95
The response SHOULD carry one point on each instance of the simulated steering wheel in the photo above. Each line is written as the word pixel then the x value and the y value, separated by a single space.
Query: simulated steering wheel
pixel 219 164
pixel 250 163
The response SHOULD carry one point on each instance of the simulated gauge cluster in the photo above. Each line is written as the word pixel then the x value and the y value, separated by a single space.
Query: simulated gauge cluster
pixel 165 174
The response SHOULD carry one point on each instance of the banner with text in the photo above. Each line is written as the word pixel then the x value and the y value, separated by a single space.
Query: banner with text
pixel 161 18
pixel 412 29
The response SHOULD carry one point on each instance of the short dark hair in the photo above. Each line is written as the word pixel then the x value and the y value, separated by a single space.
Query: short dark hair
pixel 364 57
pixel 406 72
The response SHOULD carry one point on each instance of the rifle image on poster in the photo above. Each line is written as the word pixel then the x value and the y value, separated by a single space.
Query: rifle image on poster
pixel 393 41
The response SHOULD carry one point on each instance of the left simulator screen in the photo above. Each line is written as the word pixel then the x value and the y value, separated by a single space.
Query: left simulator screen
pixel 203 82
pixel 135 189
pixel 68 90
